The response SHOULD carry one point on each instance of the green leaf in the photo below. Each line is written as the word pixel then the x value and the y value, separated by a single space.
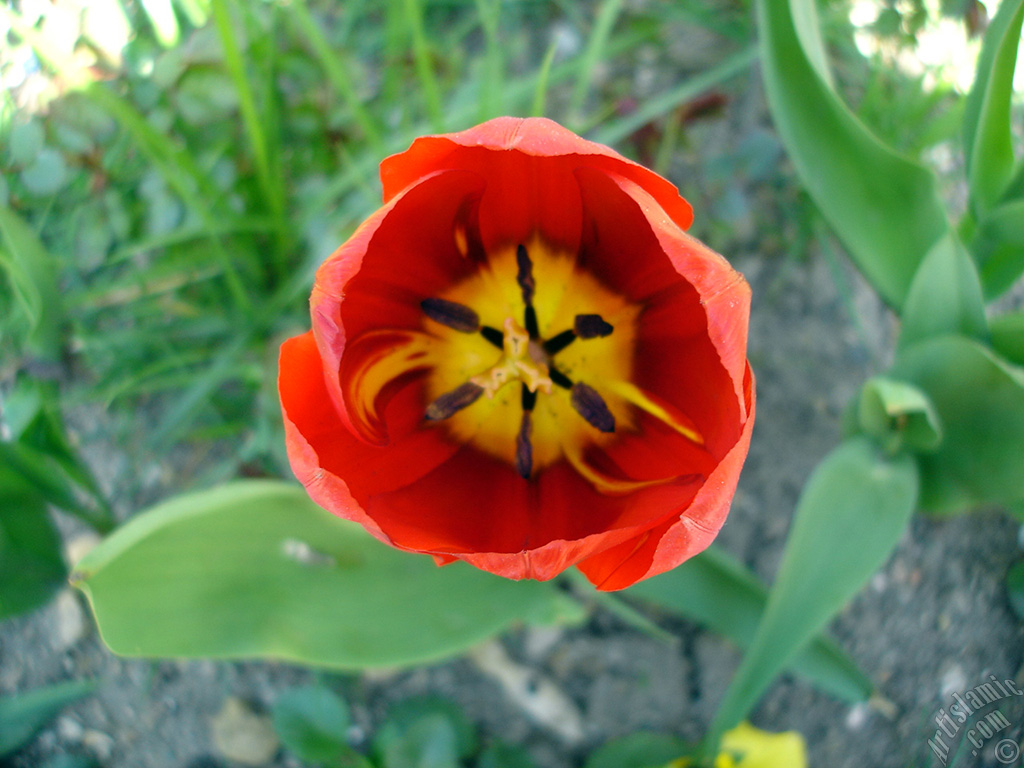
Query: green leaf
pixel 1008 336
pixel 884 207
pixel 988 143
pixel 33 274
pixel 405 714
pixel 998 247
pixel 1015 588
pixel 313 722
pixel 31 566
pixel 899 414
pixel 256 569
pixel 22 716
pixel 429 742
pixel 501 755
pixel 980 400
pixel 638 750
pixel 945 296
pixel 850 516
pixel 719 592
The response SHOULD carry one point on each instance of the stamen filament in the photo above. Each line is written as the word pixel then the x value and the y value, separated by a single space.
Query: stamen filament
pixel 494 336
pixel 556 344
pixel 559 379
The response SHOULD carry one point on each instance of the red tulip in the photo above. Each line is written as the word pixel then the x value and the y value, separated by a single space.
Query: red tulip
pixel 524 362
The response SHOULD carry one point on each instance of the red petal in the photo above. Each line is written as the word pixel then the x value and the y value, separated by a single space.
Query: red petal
pixel 404 253
pixel 322 450
pixel 680 538
pixel 690 294
pixel 528 164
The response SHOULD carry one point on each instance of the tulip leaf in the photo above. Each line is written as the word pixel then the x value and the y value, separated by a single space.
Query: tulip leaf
pixel 850 516
pixel 980 398
pixel 23 715
pixel 898 414
pixel 988 143
pixel 639 750
pixel 256 569
pixel 945 296
pixel 998 247
pixel 498 754
pixel 424 732
pixel 718 591
pixel 884 207
pixel 31 566
pixel 33 276
pixel 312 722
pixel 1008 336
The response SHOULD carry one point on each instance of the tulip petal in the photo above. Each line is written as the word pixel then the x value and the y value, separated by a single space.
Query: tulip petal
pixel 529 164
pixel 689 294
pixel 406 252
pixel 322 451
pixel 682 537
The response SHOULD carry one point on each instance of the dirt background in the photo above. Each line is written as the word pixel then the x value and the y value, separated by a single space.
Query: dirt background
pixel 935 620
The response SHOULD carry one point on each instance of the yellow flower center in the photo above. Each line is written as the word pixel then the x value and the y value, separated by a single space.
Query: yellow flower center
pixel 529 359
pixel 531 350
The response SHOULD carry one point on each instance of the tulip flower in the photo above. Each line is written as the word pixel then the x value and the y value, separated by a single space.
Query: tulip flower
pixel 524 362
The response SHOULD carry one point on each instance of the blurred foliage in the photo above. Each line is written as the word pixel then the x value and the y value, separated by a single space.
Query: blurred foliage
pixel 424 732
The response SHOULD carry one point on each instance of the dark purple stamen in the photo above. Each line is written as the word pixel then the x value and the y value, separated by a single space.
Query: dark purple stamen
pixel 450 403
pixel 592 327
pixel 592 407
pixel 524 449
pixel 524 275
pixel 451 313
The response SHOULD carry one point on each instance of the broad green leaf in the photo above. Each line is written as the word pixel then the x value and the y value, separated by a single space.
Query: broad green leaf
pixel 256 569
pixel 31 566
pixel 998 247
pixel 898 414
pixel 312 723
pixel 639 750
pixel 980 400
pixel 22 716
pixel 33 274
pixel 1008 336
pixel 884 207
pixel 987 138
pixel 945 296
pixel 850 516
pixel 719 592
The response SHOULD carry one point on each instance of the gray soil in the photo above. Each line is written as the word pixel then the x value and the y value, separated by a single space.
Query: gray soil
pixel 934 621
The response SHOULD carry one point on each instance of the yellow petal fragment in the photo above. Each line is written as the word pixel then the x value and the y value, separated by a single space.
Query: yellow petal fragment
pixel 754 748
pixel 659 410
